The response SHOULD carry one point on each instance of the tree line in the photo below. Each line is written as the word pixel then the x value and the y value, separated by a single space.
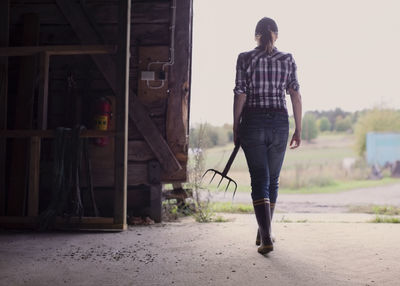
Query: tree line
pixel 315 123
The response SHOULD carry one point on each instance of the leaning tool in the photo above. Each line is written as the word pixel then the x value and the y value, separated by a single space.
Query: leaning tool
pixel 225 171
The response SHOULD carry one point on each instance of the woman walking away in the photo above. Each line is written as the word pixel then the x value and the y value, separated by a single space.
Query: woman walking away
pixel 261 124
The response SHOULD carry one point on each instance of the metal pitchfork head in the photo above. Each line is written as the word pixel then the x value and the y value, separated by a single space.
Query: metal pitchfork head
pixel 225 171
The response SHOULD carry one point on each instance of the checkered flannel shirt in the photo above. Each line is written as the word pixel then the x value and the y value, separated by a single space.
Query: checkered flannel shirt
pixel 265 78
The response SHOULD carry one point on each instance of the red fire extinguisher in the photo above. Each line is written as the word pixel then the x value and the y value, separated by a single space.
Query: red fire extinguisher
pixel 102 119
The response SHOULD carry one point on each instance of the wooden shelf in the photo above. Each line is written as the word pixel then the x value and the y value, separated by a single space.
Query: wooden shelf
pixel 52 133
pixel 58 50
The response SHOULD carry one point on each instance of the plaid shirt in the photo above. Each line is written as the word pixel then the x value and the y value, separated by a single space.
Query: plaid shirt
pixel 265 78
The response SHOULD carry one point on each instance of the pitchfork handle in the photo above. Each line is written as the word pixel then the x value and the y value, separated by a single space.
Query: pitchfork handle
pixel 230 161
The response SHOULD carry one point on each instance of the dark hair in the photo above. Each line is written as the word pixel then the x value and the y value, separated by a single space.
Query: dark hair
pixel 264 28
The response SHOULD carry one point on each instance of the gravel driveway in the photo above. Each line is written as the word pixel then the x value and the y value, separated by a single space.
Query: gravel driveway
pixel 327 203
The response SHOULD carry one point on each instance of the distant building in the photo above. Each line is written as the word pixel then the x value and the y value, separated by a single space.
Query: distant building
pixel 383 147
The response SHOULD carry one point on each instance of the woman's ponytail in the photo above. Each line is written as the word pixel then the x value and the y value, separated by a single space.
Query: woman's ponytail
pixel 263 29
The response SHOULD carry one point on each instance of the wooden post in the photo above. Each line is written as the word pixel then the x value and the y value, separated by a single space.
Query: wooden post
pixel 121 118
pixel 179 79
pixel 34 166
pixel 4 35
pixel 23 119
pixel 35 142
pixel 43 91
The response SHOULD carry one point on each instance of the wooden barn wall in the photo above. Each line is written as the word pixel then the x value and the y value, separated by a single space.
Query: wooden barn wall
pixel 75 81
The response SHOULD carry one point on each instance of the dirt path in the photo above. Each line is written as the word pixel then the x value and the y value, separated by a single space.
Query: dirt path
pixel 189 253
pixel 339 202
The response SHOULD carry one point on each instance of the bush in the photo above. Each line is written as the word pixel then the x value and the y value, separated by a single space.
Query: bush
pixel 343 124
pixel 212 135
pixel 324 124
pixel 375 120
pixel 309 127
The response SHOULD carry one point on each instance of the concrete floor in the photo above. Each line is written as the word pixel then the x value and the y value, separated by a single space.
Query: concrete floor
pixel 342 250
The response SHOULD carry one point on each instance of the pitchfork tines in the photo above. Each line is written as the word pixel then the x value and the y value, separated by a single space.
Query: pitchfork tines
pixel 224 173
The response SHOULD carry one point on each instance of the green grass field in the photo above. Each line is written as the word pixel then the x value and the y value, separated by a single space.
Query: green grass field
pixel 326 149
pixel 315 167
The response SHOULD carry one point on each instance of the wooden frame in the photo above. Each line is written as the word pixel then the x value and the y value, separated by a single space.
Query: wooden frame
pixel 118 222
pixel 165 143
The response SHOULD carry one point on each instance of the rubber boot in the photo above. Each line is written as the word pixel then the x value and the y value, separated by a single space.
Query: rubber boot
pixel 263 216
pixel 258 241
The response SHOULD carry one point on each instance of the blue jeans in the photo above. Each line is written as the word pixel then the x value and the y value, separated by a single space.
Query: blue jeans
pixel 263 137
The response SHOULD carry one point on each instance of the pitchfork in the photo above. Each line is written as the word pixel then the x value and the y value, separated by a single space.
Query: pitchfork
pixel 225 171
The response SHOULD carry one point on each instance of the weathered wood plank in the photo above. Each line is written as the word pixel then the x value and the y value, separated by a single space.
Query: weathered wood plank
pixel 154 173
pixel 121 116
pixel 137 175
pixel 154 138
pixel 179 80
pixel 139 150
pixel 23 119
pixel 135 133
pixel 4 39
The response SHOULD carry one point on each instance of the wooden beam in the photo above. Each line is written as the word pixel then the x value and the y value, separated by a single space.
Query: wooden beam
pixel 121 116
pixel 179 80
pixel 106 65
pixel 57 50
pixel 51 133
pixel 4 38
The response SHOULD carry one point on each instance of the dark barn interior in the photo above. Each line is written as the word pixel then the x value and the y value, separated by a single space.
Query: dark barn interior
pixel 94 99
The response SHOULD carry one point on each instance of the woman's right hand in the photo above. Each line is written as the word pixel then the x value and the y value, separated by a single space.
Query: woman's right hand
pixel 296 139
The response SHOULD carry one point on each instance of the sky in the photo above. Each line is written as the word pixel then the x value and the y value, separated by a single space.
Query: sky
pixel 347 52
